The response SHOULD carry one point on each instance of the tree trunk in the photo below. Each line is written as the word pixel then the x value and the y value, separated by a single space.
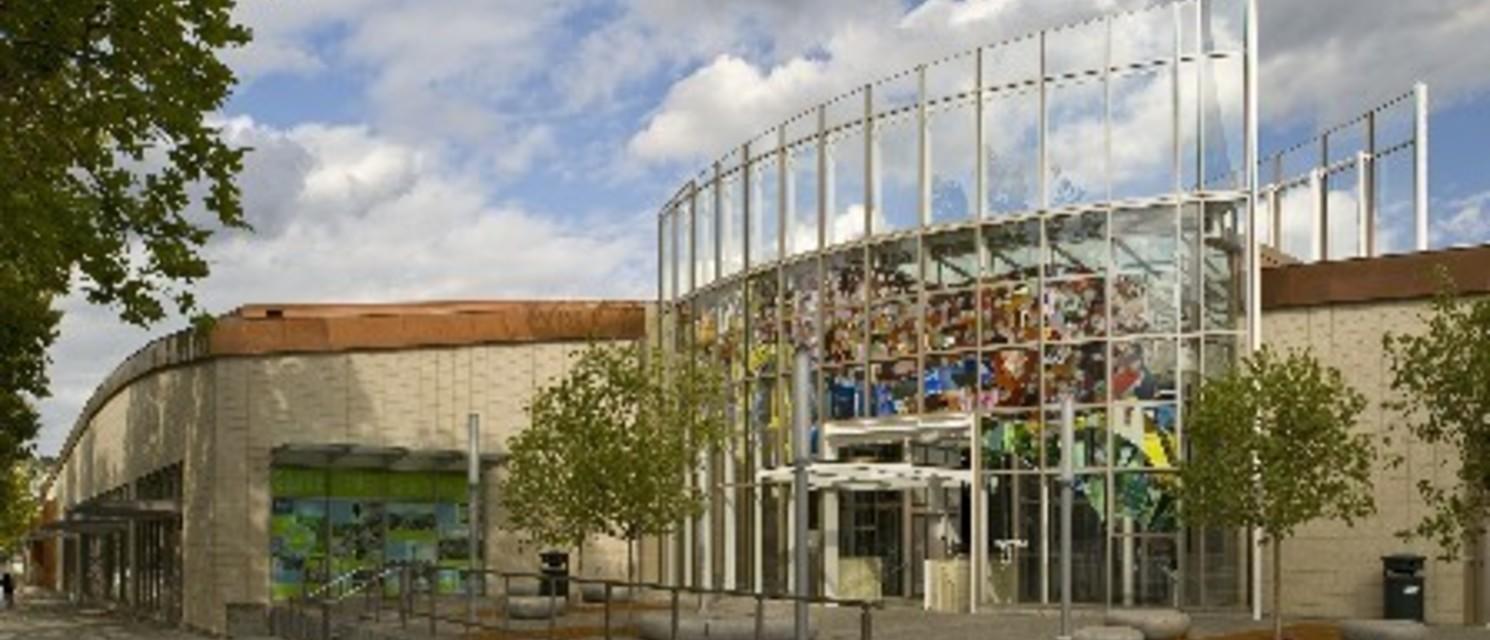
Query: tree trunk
pixel 630 562
pixel 1277 588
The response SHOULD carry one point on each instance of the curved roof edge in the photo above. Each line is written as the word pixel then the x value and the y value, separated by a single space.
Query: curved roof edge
pixel 276 329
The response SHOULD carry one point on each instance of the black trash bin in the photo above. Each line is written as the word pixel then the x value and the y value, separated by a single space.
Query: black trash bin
pixel 1402 587
pixel 555 570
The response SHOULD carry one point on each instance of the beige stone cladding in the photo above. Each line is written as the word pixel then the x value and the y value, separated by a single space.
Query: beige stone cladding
pixel 1334 570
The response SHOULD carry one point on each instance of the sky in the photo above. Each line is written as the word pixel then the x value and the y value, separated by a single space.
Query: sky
pixel 460 149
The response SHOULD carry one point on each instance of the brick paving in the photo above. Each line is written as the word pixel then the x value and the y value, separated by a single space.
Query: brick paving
pixel 39 616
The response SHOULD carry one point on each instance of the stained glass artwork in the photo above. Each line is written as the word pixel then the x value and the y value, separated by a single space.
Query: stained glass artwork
pixel 1075 309
pixel 1078 245
pixel 892 327
pixel 844 335
pixel 1009 378
pixel 895 270
pixel 1090 438
pixel 1144 436
pixel 1076 370
pixel 802 298
pixel 845 284
pixel 951 261
pixel 951 383
pixel 1143 304
pixel 1148 499
pixel 951 321
pixel 1011 441
pixel 1013 250
pixel 895 388
pixel 845 392
pixel 1010 313
pixel 1144 370
pixel 761 357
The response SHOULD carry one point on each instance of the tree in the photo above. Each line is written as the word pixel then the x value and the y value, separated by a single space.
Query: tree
pixel 18 513
pixel 104 146
pixel 1272 449
pixel 610 445
pixel 1443 376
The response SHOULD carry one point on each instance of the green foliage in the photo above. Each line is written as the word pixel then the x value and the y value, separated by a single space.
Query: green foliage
pixel 1273 448
pixel 610 445
pixel 104 145
pixel 18 504
pixel 1443 378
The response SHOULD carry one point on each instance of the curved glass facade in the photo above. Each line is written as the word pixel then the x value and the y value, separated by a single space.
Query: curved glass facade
pixel 968 243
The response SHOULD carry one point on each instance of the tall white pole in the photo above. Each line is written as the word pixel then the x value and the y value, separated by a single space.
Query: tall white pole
pixel 1420 175
pixel 1068 480
pixel 473 511
pixel 802 415
pixel 1254 256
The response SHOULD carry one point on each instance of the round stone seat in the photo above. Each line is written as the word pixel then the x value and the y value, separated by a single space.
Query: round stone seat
pixel 657 626
pixel 592 592
pixel 1107 633
pixel 1383 630
pixel 527 587
pixel 533 607
pixel 1154 624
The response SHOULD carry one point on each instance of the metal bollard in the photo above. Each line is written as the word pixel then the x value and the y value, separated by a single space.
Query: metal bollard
pixel 552 600
pixel 403 597
pixel 606 621
pixel 433 607
pixel 760 615
pixel 673 635
pixel 506 603
pixel 866 625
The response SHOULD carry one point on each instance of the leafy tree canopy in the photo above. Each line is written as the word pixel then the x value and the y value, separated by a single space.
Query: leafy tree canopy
pixel 1443 378
pixel 610 445
pixel 103 145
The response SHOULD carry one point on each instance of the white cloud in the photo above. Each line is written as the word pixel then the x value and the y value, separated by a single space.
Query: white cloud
pixel 343 214
pixel 1468 221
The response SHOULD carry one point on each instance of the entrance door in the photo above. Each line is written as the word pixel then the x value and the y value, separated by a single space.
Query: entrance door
pixel 870 545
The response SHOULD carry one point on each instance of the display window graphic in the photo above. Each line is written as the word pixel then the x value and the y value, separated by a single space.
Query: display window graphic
pixel 951 321
pixel 951 383
pixel 1011 314
pixel 1076 309
pixel 325 523
pixel 1010 378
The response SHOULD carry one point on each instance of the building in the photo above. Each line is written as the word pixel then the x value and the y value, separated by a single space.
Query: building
pixel 952 249
pixel 290 444
pixel 949 252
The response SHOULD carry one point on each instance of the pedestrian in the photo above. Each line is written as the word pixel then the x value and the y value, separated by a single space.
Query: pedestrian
pixel 8 584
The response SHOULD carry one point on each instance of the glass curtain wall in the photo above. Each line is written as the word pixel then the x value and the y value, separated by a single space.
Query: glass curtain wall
pixel 1063 215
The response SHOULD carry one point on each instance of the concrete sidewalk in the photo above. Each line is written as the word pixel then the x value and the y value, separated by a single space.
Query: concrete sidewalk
pixel 43 616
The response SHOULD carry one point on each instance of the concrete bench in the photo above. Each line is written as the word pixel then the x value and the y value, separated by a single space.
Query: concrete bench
pixel 1383 630
pixel 534 607
pixel 658 626
pixel 596 593
pixel 1155 624
pixel 1107 633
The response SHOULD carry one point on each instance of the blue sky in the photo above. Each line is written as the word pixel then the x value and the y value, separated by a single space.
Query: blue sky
pixel 424 149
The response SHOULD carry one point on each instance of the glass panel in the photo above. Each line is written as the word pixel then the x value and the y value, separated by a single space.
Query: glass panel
pixel 1395 228
pixel 953 140
pixel 1145 569
pixel 846 109
pixel 765 210
pixel 895 388
pixel 951 383
pixel 1144 370
pixel 732 227
pixel 846 186
pixel 801 301
pixel 897 174
pixel 900 91
pixel 1148 500
pixel 892 328
pixel 896 268
pixel 1075 309
pixel 1189 115
pixel 1011 441
pixel 1010 314
pixel 1078 244
pixel 1076 49
pixel 732 330
pixel 1190 268
pixel 951 260
pixel 1077 370
pixel 845 278
pixel 685 248
pixel 1091 438
pixel 845 392
pixel 1222 267
pixel 704 235
pixel 1011 62
pixel 844 334
pixel 802 230
pixel 952 76
pixel 1143 240
pixel 666 237
pixel 1145 437
pixel 764 316
pixel 1143 304
pixel 1077 159
pixel 1010 378
pixel 1343 214
pixel 1143 36
pixel 1143 134
pixel 951 321
pixel 1224 23
pixel 1011 150
pixel 1223 93
pixel 1220 355
pixel 1088 539
pixel 1013 250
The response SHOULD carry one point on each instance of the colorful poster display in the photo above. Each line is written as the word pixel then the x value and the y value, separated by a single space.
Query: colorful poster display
pixel 327 522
